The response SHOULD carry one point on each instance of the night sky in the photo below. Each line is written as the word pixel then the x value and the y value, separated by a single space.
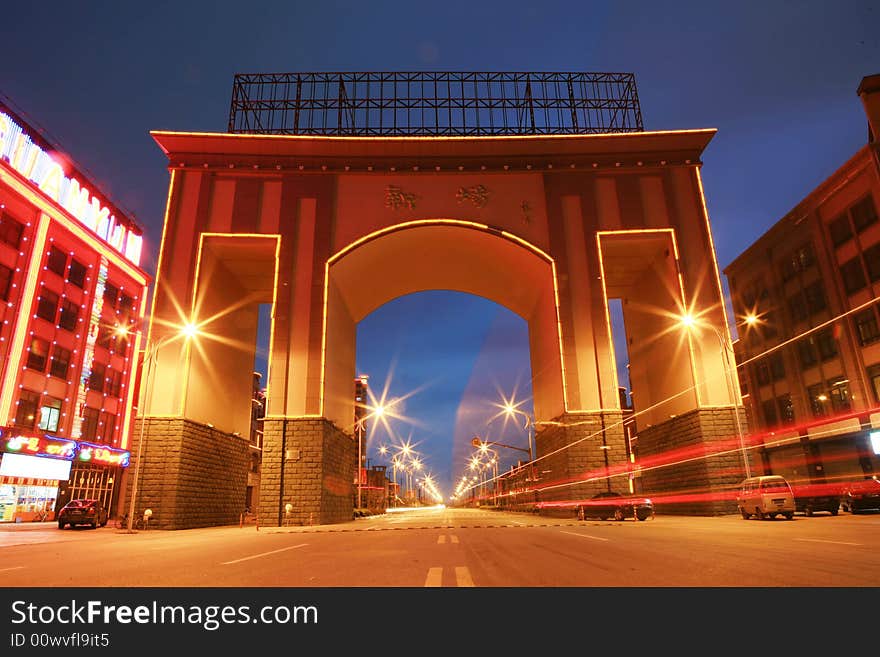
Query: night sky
pixel 777 79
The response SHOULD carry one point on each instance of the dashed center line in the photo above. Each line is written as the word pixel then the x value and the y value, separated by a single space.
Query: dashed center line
pixel 435 577
pixel 263 554
pixel 463 576
pixel 819 540
pixel 595 538
pixel 12 568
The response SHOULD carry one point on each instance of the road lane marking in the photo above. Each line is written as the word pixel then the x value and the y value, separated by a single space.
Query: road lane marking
pixel 435 577
pixel 463 576
pixel 453 538
pixel 595 538
pixel 13 568
pixel 819 540
pixel 441 538
pixel 263 554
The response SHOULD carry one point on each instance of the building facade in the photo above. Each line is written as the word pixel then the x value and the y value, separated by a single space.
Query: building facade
pixel 73 300
pixel 809 359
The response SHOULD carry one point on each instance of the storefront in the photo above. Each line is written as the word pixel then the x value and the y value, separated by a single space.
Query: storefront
pixel 41 473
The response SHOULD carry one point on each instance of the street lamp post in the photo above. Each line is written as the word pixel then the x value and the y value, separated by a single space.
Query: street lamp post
pixel 725 346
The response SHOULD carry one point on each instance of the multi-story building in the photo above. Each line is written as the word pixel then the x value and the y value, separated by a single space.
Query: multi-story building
pixel 72 300
pixel 255 446
pixel 808 357
pixel 360 435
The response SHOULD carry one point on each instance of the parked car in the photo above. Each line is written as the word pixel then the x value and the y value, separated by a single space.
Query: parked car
pixel 811 498
pixel 765 497
pixel 611 504
pixel 861 495
pixel 82 512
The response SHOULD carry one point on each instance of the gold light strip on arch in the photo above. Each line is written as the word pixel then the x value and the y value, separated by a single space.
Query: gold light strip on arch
pixel 436 222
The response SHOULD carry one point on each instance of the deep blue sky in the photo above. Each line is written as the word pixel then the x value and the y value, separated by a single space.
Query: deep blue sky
pixel 777 79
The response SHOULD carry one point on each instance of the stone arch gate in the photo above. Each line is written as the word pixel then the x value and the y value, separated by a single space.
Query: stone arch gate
pixel 327 229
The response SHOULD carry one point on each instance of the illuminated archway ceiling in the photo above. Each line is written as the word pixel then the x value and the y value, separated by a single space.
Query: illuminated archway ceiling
pixel 441 258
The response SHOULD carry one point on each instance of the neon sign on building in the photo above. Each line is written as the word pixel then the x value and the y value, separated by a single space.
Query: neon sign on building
pixel 47 174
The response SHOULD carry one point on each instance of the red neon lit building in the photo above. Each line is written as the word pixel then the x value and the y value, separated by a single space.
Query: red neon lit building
pixel 70 282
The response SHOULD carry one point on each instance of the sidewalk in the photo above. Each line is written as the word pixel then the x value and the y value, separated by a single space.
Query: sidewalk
pixel 25 526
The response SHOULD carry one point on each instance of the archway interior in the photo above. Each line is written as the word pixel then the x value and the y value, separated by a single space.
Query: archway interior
pixel 440 257
pixel 236 278
pixel 640 272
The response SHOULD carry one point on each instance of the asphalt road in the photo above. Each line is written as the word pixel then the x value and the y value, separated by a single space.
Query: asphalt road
pixel 458 548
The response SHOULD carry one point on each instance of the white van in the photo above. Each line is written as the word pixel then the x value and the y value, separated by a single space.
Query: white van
pixel 765 497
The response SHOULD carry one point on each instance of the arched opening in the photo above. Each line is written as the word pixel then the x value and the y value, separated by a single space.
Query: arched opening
pixel 440 255
pixel 444 362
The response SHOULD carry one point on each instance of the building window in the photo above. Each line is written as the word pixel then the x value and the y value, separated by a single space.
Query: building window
pixel 777 366
pixel 797 309
pixel 874 379
pixel 69 315
pixel 38 355
pixel 768 408
pixel 853 275
pixel 5 282
pixel 839 393
pixel 76 273
pixel 815 295
pixel 56 260
pixel 114 383
pixel 863 213
pixel 110 293
pixel 827 345
pixel 866 327
pixel 50 414
pixel 786 409
pixel 47 307
pixel 89 426
pixel 26 412
pixel 60 362
pixel 872 262
pixel 105 335
pixel 840 230
pixel 818 400
pixel 106 428
pixel 762 372
pixel 10 230
pixel 96 378
pixel 806 350
pixel 800 260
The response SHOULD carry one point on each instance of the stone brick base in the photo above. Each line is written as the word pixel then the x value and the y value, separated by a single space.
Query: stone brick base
pixel 308 463
pixel 191 475
pixel 579 455
pixel 691 464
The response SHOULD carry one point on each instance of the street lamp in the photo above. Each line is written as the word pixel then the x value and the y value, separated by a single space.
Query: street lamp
pixel 511 411
pixel 150 356
pixel 688 321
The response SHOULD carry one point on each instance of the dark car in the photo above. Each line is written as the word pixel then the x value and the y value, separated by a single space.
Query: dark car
pixel 82 512
pixel 811 498
pixel 861 495
pixel 611 504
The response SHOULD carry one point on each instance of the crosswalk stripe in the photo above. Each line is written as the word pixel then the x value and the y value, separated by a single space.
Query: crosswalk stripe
pixel 435 577
pixel 441 538
pixel 463 576
pixel 453 538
